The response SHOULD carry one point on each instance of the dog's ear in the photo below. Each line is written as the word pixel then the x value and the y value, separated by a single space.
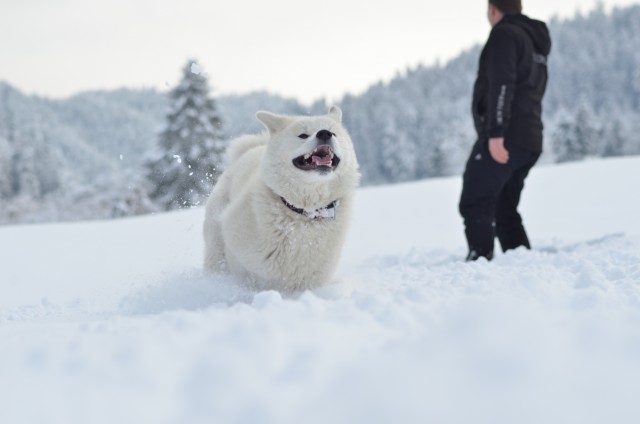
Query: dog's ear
pixel 273 122
pixel 335 113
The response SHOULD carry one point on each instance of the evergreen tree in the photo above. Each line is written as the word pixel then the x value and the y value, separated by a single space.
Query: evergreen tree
pixel 566 147
pixel 6 144
pixel 614 139
pixel 577 137
pixel 191 146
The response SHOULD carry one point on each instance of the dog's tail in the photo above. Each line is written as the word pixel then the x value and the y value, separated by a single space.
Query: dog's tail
pixel 241 145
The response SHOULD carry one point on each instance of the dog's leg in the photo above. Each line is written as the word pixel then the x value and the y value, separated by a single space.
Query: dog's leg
pixel 214 258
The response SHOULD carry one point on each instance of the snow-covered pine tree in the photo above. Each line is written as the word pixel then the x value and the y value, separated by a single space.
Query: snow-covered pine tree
pixel 191 146
pixel 6 146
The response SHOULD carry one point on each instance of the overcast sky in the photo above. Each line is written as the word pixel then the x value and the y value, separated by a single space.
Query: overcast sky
pixel 297 48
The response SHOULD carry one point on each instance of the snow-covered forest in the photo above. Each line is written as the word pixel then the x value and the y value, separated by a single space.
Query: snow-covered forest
pixel 83 157
pixel 419 125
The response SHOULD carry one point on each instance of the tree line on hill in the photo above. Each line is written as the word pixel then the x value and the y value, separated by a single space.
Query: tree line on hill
pixel 100 155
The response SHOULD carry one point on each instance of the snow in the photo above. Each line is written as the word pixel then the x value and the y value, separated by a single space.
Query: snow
pixel 195 69
pixel 111 322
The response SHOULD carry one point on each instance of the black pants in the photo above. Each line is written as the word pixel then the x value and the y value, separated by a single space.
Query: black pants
pixel 490 197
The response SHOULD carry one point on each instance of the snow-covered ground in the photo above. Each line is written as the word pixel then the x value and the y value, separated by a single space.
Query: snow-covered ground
pixel 111 322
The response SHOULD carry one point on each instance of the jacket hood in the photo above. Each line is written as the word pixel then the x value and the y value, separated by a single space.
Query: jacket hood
pixel 537 30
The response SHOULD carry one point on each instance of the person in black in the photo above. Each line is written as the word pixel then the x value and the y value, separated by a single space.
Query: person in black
pixel 507 112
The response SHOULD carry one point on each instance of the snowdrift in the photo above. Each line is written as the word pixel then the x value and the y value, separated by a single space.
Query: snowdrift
pixel 108 322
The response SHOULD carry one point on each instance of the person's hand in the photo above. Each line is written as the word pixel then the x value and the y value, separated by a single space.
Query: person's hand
pixel 497 150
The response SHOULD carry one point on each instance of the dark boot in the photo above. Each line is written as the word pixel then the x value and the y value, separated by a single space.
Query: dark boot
pixel 480 235
pixel 474 256
pixel 511 237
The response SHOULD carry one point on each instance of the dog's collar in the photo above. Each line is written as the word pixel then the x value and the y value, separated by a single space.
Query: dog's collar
pixel 328 212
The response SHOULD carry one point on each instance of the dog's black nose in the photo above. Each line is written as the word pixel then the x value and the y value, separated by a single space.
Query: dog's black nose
pixel 324 135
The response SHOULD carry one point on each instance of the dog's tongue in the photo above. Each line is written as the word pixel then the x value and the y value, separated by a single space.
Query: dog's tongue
pixel 321 161
pixel 323 156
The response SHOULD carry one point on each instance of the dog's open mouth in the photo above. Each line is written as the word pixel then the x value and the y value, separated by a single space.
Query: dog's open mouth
pixel 322 158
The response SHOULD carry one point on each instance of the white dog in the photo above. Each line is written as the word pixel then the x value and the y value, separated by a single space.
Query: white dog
pixel 279 213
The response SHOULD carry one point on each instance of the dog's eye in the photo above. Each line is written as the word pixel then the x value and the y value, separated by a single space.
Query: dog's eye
pixel 303 136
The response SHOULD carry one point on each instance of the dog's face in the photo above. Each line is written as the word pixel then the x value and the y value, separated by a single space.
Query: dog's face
pixel 310 150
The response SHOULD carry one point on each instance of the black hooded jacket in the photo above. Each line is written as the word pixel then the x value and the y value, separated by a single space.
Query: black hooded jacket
pixel 512 78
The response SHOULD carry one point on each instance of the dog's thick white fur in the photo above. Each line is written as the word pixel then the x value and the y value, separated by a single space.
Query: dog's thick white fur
pixel 250 232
